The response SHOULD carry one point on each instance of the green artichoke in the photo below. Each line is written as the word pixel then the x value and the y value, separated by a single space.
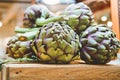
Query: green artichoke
pixel 33 12
pixel 19 45
pixel 99 45
pixel 79 16
pixel 56 42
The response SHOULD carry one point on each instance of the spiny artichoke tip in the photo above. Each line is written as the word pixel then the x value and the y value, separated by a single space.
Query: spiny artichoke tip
pixel 99 45
pixel 33 12
pixel 56 42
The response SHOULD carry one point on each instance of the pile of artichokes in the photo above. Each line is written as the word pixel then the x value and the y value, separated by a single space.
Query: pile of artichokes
pixel 64 38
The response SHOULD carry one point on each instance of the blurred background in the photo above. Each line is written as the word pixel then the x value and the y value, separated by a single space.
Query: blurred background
pixel 11 14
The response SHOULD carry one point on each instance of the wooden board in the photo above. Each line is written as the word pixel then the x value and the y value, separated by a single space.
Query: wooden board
pixel 0 75
pixel 109 71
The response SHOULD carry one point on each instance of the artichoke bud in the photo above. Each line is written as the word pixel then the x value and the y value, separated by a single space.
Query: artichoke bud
pixel 99 44
pixel 56 43
pixel 18 48
pixel 19 45
pixel 79 17
pixel 33 12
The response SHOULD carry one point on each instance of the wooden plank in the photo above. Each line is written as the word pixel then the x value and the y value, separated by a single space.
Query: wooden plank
pixel 5 73
pixel 115 18
pixel 0 75
pixel 60 72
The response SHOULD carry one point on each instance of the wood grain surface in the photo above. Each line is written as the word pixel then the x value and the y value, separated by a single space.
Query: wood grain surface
pixel 60 72
pixel 0 75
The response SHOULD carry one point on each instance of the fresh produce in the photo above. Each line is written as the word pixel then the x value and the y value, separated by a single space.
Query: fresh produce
pixel 33 12
pixel 19 45
pixel 99 45
pixel 56 42
pixel 64 38
pixel 79 17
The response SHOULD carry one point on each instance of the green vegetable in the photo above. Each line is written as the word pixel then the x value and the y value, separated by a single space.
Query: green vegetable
pixel 33 12
pixel 99 45
pixel 56 42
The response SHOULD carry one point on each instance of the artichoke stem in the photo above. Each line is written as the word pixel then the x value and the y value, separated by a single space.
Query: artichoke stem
pixel 40 22
pixel 23 30
pixel 27 35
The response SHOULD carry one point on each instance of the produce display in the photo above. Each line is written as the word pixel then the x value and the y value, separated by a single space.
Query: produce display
pixel 64 38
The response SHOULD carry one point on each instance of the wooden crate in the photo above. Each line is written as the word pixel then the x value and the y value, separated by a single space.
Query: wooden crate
pixel 61 72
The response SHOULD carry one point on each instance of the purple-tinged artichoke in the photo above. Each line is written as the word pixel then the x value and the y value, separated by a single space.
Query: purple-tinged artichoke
pixel 56 42
pixel 33 12
pixel 19 45
pixel 79 16
pixel 99 45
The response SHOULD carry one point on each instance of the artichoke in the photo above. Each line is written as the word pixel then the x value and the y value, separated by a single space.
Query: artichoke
pixel 79 17
pixel 19 45
pixel 56 42
pixel 33 12
pixel 99 45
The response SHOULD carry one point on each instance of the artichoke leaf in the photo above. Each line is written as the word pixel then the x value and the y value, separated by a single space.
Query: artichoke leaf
pixel 91 50
pixel 44 57
pixel 65 58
